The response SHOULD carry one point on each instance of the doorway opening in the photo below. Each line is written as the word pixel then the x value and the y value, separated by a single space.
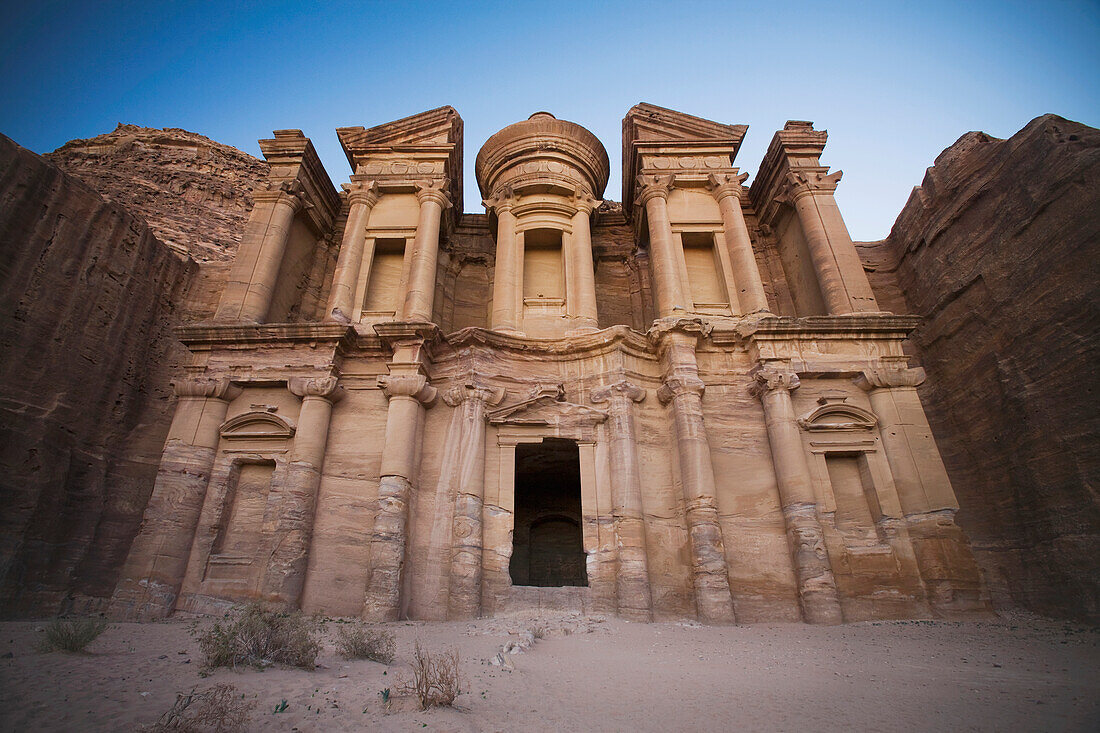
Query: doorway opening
pixel 547 547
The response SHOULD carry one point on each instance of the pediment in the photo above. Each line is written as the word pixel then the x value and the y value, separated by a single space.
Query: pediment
pixel 436 127
pixel 547 410
pixel 649 123
pixel 256 425
pixel 834 413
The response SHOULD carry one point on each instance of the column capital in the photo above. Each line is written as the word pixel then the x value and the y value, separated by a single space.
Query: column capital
pixel 678 386
pixel 629 390
pixel 366 193
pixel 327 388
pixel 501 200
pixel 889 378
pixel 473 390
pixel 218 389
pixel 433 190
pixel 803 182
pixel 650 186
pixel 585 202
pixel 722 185
pixel 773 379
pixel 290 193
pixel 415 386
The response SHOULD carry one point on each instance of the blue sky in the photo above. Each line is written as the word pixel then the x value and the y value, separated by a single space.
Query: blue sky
pixel 893 83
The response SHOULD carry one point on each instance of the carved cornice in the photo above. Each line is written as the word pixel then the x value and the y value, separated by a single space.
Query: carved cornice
pixel 324 387
pixel 771 379
pixel 206 336
pixel 211 388
pixel 889 378
pixel 415 386
pixel 604 340
pixel 679 387
pixel 722 185
pixel 257 424
pixel 622 388
pixel 874 326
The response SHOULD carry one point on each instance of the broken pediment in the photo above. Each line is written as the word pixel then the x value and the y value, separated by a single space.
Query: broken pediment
pixel 548 407
pixel 675 139
pixel 258 424
pixel 834 413
pixel 437 127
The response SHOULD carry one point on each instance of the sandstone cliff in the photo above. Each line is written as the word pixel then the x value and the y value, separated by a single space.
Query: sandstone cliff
pixel 87 300
pixel 997 249
pixel 194 193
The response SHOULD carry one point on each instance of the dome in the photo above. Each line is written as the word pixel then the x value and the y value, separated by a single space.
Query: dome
pixel 542 153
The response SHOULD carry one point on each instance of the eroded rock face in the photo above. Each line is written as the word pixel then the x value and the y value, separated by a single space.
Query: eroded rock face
pixel 997 250
pixel 194 193
pixel 87 300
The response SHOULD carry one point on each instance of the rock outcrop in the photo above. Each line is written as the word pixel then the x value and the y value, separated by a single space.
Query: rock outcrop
pixel 194 193
pixel 88 297
pixel 997 250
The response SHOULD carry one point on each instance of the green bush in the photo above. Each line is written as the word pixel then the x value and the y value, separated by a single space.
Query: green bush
pixel 70 636
pixel 258 637
pixel 362 642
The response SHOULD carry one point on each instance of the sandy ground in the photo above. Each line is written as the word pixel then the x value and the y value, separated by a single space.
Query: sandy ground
pixel 591 674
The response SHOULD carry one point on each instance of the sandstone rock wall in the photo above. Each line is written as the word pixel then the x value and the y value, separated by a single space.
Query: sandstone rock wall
pixel 87 299
pixel 194 193
pixel 997 249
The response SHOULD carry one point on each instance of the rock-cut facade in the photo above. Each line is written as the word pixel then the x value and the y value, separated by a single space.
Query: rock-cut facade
pixel 687 406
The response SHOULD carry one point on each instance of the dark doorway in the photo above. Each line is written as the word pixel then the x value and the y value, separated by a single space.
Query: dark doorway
pixel 547 549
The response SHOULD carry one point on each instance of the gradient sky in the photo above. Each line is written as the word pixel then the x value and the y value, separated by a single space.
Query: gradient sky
pixel 893 83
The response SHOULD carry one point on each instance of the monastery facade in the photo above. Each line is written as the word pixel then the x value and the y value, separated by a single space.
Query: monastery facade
pixel 691 406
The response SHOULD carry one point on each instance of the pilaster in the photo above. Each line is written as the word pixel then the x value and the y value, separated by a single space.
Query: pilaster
pixel 728 190
pixel 420 296
pixel 652 195
pixel 341 303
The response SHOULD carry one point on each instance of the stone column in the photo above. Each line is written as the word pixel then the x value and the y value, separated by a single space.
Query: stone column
pixel 684 390
pixel 634 599
pixel 506 274
pixel 844 285
pixel 946 563
pixel 421 293
pixel 409 395
pixel 583 307
pixel 285 575
pixel 727 189
pixel 816 585
pixel 464 599
pixel 653 195
pixel 151 578
pixel 252 279
pixel 345 282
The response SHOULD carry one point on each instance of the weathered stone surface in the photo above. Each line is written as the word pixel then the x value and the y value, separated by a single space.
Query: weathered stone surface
pixel 194 193
pixel 997 250
pixel 706 412
pixel 87 298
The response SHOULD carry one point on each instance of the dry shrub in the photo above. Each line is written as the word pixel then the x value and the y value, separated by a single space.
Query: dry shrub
pixel 258 637
pixel 362 642
pixel 435 678
pixel 219 709
pixel 70 636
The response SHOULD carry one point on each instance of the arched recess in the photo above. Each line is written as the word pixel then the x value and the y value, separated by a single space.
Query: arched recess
pixel 257 424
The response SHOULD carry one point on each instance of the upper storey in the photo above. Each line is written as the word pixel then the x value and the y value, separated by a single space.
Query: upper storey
pixel 383 249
